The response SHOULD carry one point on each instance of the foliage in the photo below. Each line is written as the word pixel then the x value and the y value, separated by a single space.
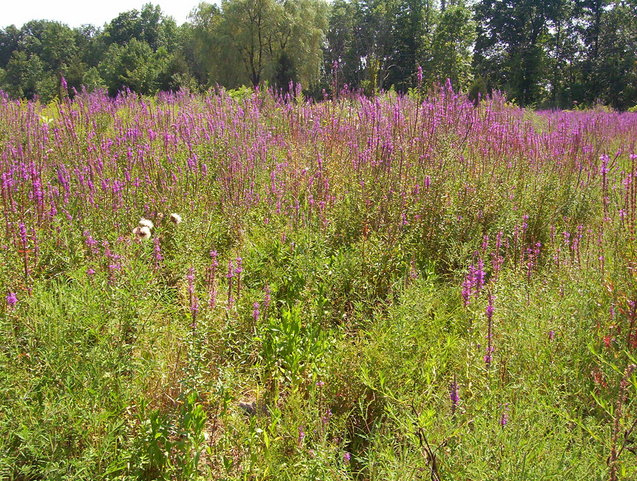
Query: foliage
pixel 546 54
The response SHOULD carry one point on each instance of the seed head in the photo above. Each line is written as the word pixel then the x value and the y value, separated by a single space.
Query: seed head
pixel 146 223
pixel 142 232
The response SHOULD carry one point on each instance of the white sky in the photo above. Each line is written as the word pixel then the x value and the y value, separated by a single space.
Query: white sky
pixel 78 12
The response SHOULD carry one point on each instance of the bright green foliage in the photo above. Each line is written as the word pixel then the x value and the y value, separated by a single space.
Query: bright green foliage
pixel 255 41
pixel 23 74
pixel 450 51
pixel 544 54
pixel 133 65
pixel 615 71
pixel 148 25
pixel 510 45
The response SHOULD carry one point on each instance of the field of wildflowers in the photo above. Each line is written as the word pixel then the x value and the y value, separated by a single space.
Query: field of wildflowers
pixel 262 288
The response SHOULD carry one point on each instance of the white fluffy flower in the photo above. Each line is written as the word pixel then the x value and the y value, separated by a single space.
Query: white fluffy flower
pixel 175 218
pixel 146 223
pixel 142 232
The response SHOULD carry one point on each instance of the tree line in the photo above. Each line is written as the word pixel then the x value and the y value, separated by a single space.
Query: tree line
pixel 542 53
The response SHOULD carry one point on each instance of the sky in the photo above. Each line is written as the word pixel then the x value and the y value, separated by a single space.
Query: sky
pixel 79 12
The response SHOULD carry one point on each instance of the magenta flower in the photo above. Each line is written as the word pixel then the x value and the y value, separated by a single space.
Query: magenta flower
pixel 194 303
pixel 454 396
pixel 504 417
pixel 12 299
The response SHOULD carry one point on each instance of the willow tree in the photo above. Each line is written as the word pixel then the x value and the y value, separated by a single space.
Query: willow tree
pixel 256 41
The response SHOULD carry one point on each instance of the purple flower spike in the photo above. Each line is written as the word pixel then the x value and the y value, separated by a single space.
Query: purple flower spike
pixel 454 396
pixel 12 299
pixel 504 417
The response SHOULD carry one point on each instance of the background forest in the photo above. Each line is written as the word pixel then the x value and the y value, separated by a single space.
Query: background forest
pixel 555 53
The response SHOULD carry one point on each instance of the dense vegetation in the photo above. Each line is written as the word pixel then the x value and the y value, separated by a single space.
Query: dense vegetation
pixel 392 288
pixel 556 53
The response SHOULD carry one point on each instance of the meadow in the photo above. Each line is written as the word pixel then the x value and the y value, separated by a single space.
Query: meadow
pixel 257 287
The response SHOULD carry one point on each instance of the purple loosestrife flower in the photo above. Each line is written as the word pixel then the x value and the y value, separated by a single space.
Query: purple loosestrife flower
pixel 12 300
pixel 112 269
pixel 327 416
pixel 157 252
pixel 467 287
pixel 488 357
pixel 496 259
pixel 90 242
pixel 255 311
pixel 504 417
pixel 238 269
pixel 474 282
pixel 489 309
pixel 454 396
pixel 532 255
pixel 23 234
pixel 194 304
pixel 605 159
pixel 479 276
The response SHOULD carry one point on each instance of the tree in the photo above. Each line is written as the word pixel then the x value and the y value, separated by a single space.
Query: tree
pixel 134 66
pixel 10 38
pixel 247 31
pixel 615 74
pixel 253 41
pixel 149 25
pixel 510 47
pixel 201 42
pixel 451 45
pixel 299 37
pixel 379 43
pixel 413 21
pixel 342 62
pixel 23 74
pixel 563 53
